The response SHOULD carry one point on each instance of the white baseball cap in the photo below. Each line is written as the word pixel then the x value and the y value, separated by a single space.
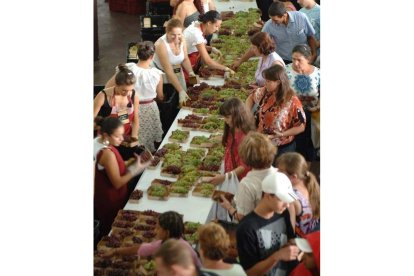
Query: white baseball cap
pixel 278 183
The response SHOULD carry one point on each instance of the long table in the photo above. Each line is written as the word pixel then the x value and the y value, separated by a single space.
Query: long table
pixel 193 208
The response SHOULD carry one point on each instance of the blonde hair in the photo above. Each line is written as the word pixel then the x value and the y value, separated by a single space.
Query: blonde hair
pixel 295 163
pixel 214 241
pixel 174 23
pixel 257 151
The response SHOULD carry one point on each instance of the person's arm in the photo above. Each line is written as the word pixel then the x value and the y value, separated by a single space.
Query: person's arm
pixel 160 92
pixel 278 62
pixel 110 82
pixel 248 54
pixel 218 179
pixel 252 98
pixel 208 60
pixel 135 122
pixel 287 253
pixel 108 161
pixel 293 210
pixel 212 5
pixel 98 103
pixel 161 51
pixel 181 12
pixel 312 45
pixel 121 251
pixel 291 131
pixel 310 36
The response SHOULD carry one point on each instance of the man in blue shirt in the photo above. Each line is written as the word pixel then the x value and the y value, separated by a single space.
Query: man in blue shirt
pixel 288 29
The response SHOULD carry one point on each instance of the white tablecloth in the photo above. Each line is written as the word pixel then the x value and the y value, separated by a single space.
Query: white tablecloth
pixel 193 208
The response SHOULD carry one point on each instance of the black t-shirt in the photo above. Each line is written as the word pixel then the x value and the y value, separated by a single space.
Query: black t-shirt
pixel 258 238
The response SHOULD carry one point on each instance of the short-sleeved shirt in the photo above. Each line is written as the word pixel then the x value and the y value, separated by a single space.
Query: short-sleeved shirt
pixel 314 16
pixel 263 65
pixel 258 238
pixel 278 118
pixel 306 86
pixel 194 36
pixel 250 190
pixel 287 37
pixel 147 81
pixel 236 270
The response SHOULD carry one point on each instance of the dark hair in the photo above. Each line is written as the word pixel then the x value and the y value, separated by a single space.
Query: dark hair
pixel 145 50
pixel 284 91
pixel 303 49
pixel 277 8
pixel 124 76
pixel 263 42
pixel 173 252
pixel 109 124
pixel 197 4
pixel 240 116
pixel 210 16
pixel 174 23
pixel 173 222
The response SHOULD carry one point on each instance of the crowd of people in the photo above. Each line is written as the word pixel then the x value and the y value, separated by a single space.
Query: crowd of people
pixel 270 141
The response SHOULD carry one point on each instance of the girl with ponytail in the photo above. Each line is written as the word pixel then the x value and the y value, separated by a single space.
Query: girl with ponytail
pixel 307 209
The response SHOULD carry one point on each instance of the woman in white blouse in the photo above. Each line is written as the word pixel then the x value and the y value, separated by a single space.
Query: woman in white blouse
pixel 207 24
pixel 148 87
pixel 171 56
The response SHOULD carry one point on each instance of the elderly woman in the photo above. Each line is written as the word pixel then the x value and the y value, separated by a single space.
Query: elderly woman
pixel 279 111
pixel 207 24
pixel 263 47
pixel 305 81
pixel 214 243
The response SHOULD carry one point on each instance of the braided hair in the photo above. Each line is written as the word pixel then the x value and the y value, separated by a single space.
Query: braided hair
pixel 173 222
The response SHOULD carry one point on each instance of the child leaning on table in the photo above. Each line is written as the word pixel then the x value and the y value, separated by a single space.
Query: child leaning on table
pixel 169 225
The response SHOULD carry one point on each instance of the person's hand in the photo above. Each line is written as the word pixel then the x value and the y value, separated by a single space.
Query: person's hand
pixel 225 203
pixel 137 167
pixel 235 65
pixel 107 254
pixel 231 72
pixel 253 86
pixel 288 253
pixel 216 180
pixel 313 109
pixel 216 51
pixel 192 74
pixel 182 97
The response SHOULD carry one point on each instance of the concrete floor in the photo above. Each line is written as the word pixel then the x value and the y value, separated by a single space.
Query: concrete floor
pixel 115 31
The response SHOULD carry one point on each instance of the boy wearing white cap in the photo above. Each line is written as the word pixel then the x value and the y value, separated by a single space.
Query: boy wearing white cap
pixel 262 235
